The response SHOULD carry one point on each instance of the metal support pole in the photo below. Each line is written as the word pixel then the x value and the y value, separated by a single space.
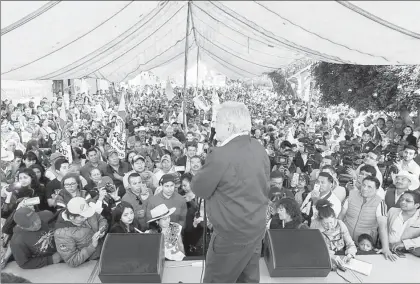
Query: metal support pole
pixel 198 59
pixel 309 107
pixel 185 69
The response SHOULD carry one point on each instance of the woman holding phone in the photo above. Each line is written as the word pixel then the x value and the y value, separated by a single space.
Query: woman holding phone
pixel 27 187
pixel 24 193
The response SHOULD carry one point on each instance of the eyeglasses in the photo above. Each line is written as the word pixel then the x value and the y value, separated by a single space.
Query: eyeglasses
pixel 70 184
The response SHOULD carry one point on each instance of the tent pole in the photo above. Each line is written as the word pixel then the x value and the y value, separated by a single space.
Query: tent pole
pixel 198 56
pixel 184 118
pixel 309 107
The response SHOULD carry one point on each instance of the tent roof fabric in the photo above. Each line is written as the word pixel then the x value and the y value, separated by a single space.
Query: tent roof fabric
pixel 117 40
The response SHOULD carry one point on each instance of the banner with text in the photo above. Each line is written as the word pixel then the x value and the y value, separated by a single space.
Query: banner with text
pixel 118 138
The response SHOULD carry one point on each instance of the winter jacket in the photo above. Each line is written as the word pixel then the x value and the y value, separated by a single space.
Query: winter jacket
pixel 64 197
pixel 17 196
pixel 34 249
pixel 74 243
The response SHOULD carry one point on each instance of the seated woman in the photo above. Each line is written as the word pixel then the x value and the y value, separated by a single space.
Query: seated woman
pixel 288 215
pixel 150 164
pixel 71 185
pixel 79 159
pixel 95 177
pixel 123 220
pixel 334 231
pixel 14 197
pixel 302 188
pixel 161 223
pixel 407 138
pixel 27 186
pixel 39 173
pixel 404 224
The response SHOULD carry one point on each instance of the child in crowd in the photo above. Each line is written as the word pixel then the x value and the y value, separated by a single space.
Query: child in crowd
pixel 365 244
pixel 161 223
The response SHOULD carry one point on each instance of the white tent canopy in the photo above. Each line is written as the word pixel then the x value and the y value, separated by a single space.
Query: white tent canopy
pixel 116 40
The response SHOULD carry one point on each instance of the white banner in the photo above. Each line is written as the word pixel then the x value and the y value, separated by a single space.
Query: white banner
pixel 65 149
pixel 118 138
pixel 201 103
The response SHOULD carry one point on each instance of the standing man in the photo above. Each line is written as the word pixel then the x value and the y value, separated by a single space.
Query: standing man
pixel 234 181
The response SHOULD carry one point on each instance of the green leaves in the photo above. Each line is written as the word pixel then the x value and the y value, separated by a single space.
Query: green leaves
pixel 280 84
pixel 368 87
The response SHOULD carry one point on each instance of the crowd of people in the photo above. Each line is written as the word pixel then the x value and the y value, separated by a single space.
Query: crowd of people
pixel 354 177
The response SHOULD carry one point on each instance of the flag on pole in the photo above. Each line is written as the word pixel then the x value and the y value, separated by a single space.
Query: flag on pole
pixel 63 118
pixel 215 106
pixel 149 90
pixel 201 103
pixel 169 91
pixel 66 100
pixel 194 99
pixel 62 145
pixel 181 116
pixel 106 104
pixel 121 108
pixel 215 98
pixel 118 139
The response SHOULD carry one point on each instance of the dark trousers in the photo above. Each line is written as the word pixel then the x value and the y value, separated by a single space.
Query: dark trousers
pixel 212 134
pixel 230 262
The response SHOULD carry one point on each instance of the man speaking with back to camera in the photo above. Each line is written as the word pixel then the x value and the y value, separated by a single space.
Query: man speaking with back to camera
pixel 235 183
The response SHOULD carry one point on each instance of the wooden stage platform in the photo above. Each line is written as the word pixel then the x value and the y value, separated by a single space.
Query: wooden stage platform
pixel 405 270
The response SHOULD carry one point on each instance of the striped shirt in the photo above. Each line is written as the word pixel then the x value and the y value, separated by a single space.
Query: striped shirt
pixel 381 210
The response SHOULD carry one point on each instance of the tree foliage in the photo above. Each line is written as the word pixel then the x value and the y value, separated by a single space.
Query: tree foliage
pixel 297 66
pixel 365 88
pixel 281 86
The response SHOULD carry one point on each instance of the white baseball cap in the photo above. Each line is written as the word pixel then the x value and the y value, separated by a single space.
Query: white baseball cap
pixel 79 206
pixel 414 180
